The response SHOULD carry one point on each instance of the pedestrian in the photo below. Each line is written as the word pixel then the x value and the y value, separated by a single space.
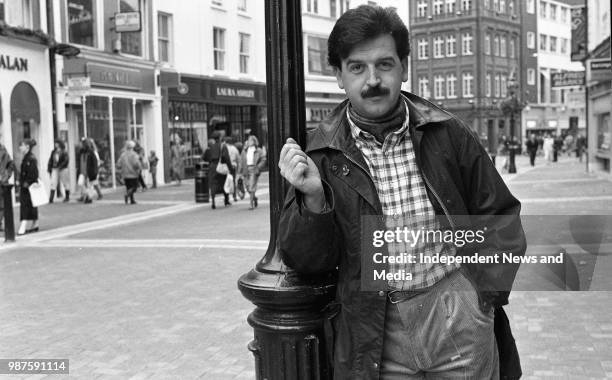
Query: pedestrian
pixel 234 155
pixel 28 174
pixel 557 145
pixel 392 154
pixel 581 145
pixel 217 154
pixel 87 170
pixel 57 168
pixel 96 182
pixel 7 168
pixel 532 148
pixel 177 166
pixel 153 160
pixel 548 147
pixel 128 165
pixel 502 151
pixel 252 162
pixel 144 164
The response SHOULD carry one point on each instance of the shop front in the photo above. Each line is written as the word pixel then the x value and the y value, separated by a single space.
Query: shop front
pixel 200 108
pixel 25 93
pixel 119 103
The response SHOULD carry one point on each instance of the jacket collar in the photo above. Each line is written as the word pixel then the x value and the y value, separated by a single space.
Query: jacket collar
pixel 335 132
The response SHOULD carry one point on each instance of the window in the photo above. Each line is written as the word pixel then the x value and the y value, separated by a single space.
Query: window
pixel 333 12
pixel 437 7
pixel 242 5
pixel 531 40
pixel 511 7
pixel 20 13
pixel 245 48
pixel 496 46
pixel 531 77
pixel 424 87
pixel 512 48
pixel 497 85
pixel 466 5
pixel 487 44
pixel 81 18
pixel 317 56
pixel 439 87
pixel 438 44
pixel 531 6
pixel 552 9
pixel 422 8
pixel 553 44
pixel 164 36
pixel 543 41
pixel 468 85
pixel 451 84
pixel 496 5
pixel 219 48
pixel 467 44
pixel 423 48
pixel 543 12
pixel 450 6
pixel 488 85
pixel 451 43
pixel 503 49
pixel 564 14
pixel 502 6
pixel 131 43
pixel 312 6
pixel 504 86
pixel 487 4
pixel 564 43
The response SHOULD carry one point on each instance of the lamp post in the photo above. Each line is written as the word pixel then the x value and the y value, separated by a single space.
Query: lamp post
pixel 510 107
pixel 288 318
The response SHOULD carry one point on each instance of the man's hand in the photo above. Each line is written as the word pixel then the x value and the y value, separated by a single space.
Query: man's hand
pixel 302 173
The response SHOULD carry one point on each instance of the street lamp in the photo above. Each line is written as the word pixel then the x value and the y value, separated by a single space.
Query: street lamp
pixel 510 107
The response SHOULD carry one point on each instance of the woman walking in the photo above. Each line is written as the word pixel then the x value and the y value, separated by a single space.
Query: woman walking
pixel 176 162
pixel 252 161
pixel 216 154
pixel 87 170
pixel 128 165
pixel 28 214
pixel 96 182
pixel 57 167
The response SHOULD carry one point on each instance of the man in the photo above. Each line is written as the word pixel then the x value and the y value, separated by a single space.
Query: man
pixel 532 148
pixel 389 153
pixel 7 168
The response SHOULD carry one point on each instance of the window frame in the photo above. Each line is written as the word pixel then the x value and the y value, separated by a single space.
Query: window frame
pixel 451 45
pixel 451 83
pixel 241 54
pixel 467 42
pixel 439 86
pixel 423 49
pixel 531 40
pixel 95 39
pixel 438 44
pixel 168 39
pixel 143 32
pixel 219 52
pixel 467 90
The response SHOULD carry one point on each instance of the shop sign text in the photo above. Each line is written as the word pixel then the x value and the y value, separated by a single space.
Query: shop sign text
pixel 235 92
pixel 13 63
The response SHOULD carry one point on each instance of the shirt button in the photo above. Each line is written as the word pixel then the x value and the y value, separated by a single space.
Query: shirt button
pixel 345 170
pixel 381 293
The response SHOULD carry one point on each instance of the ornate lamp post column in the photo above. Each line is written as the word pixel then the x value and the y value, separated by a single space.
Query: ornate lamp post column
pixel 510 107
pixel 288 319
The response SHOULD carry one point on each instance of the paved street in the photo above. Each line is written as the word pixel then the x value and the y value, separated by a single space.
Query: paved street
pixel 149 291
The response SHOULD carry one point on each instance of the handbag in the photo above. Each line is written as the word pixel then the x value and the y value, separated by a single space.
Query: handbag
pixel 228 186
pixel 38 194
pixel 221 168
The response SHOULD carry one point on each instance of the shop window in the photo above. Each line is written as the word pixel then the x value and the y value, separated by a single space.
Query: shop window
pixel 81 22
pixel 317 56
pixel 219 48
pixel 131 43
pixel 604 141
pixel 164 36
pixel 245 41
pixel 2 18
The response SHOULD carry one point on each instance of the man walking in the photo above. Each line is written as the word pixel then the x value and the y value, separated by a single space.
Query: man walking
pixel 532 148
pixel 389 153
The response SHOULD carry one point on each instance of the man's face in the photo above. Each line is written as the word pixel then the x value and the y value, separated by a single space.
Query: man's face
pixel 372 76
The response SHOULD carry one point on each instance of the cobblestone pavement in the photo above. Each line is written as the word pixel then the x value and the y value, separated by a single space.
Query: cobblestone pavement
pixel 156 296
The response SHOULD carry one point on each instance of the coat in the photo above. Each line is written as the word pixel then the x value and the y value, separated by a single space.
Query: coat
pixel 460 180
pixel 128 164
pixel 91 164
pixel 61 163
pixel 28 174
pixel 259 158
pixel 214 154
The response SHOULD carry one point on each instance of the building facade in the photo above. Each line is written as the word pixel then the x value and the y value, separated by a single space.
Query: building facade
pixel 599 81
pixel 318 19
pixel 221 64
pixel 25 85
pixel 552 109
pixel 464 54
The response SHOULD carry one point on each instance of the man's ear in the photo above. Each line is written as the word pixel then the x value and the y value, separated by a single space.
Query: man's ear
pixel 338 73
pixel 404 62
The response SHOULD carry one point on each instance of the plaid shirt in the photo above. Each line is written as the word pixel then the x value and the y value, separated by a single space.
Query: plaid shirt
pixel 404 202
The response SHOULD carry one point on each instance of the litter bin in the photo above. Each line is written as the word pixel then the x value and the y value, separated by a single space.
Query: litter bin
pixel 201 182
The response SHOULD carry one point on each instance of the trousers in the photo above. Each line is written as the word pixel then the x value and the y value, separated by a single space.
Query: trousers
pixel 440 334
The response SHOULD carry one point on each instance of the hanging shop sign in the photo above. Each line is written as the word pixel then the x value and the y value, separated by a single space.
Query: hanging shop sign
pixel 127 22
pixel 568 79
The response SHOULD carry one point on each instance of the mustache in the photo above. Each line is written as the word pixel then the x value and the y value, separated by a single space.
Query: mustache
pixel 374 91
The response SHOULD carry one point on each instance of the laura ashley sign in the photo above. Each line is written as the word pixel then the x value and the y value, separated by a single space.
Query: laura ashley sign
pixel 235 92
pixel 13 63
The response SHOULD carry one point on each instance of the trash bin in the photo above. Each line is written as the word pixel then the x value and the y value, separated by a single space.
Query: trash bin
pixel 201 182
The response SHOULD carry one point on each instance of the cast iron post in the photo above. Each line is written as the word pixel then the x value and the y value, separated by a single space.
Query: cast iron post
pixel 288 318
pixel 510 107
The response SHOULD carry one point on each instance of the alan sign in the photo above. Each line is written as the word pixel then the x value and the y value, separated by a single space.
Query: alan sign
pixel 127 22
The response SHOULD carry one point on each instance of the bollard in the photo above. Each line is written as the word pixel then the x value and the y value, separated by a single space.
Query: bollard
pixel 201 183
pixel 9 223
pixel 288 321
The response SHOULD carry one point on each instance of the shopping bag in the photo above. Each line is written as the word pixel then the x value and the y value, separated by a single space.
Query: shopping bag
pixel 38 194
pixel 222 169
pixel 228 186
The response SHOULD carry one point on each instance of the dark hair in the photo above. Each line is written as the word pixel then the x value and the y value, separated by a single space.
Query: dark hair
pixel 61 144
pixel 361 24
pixel 29 142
